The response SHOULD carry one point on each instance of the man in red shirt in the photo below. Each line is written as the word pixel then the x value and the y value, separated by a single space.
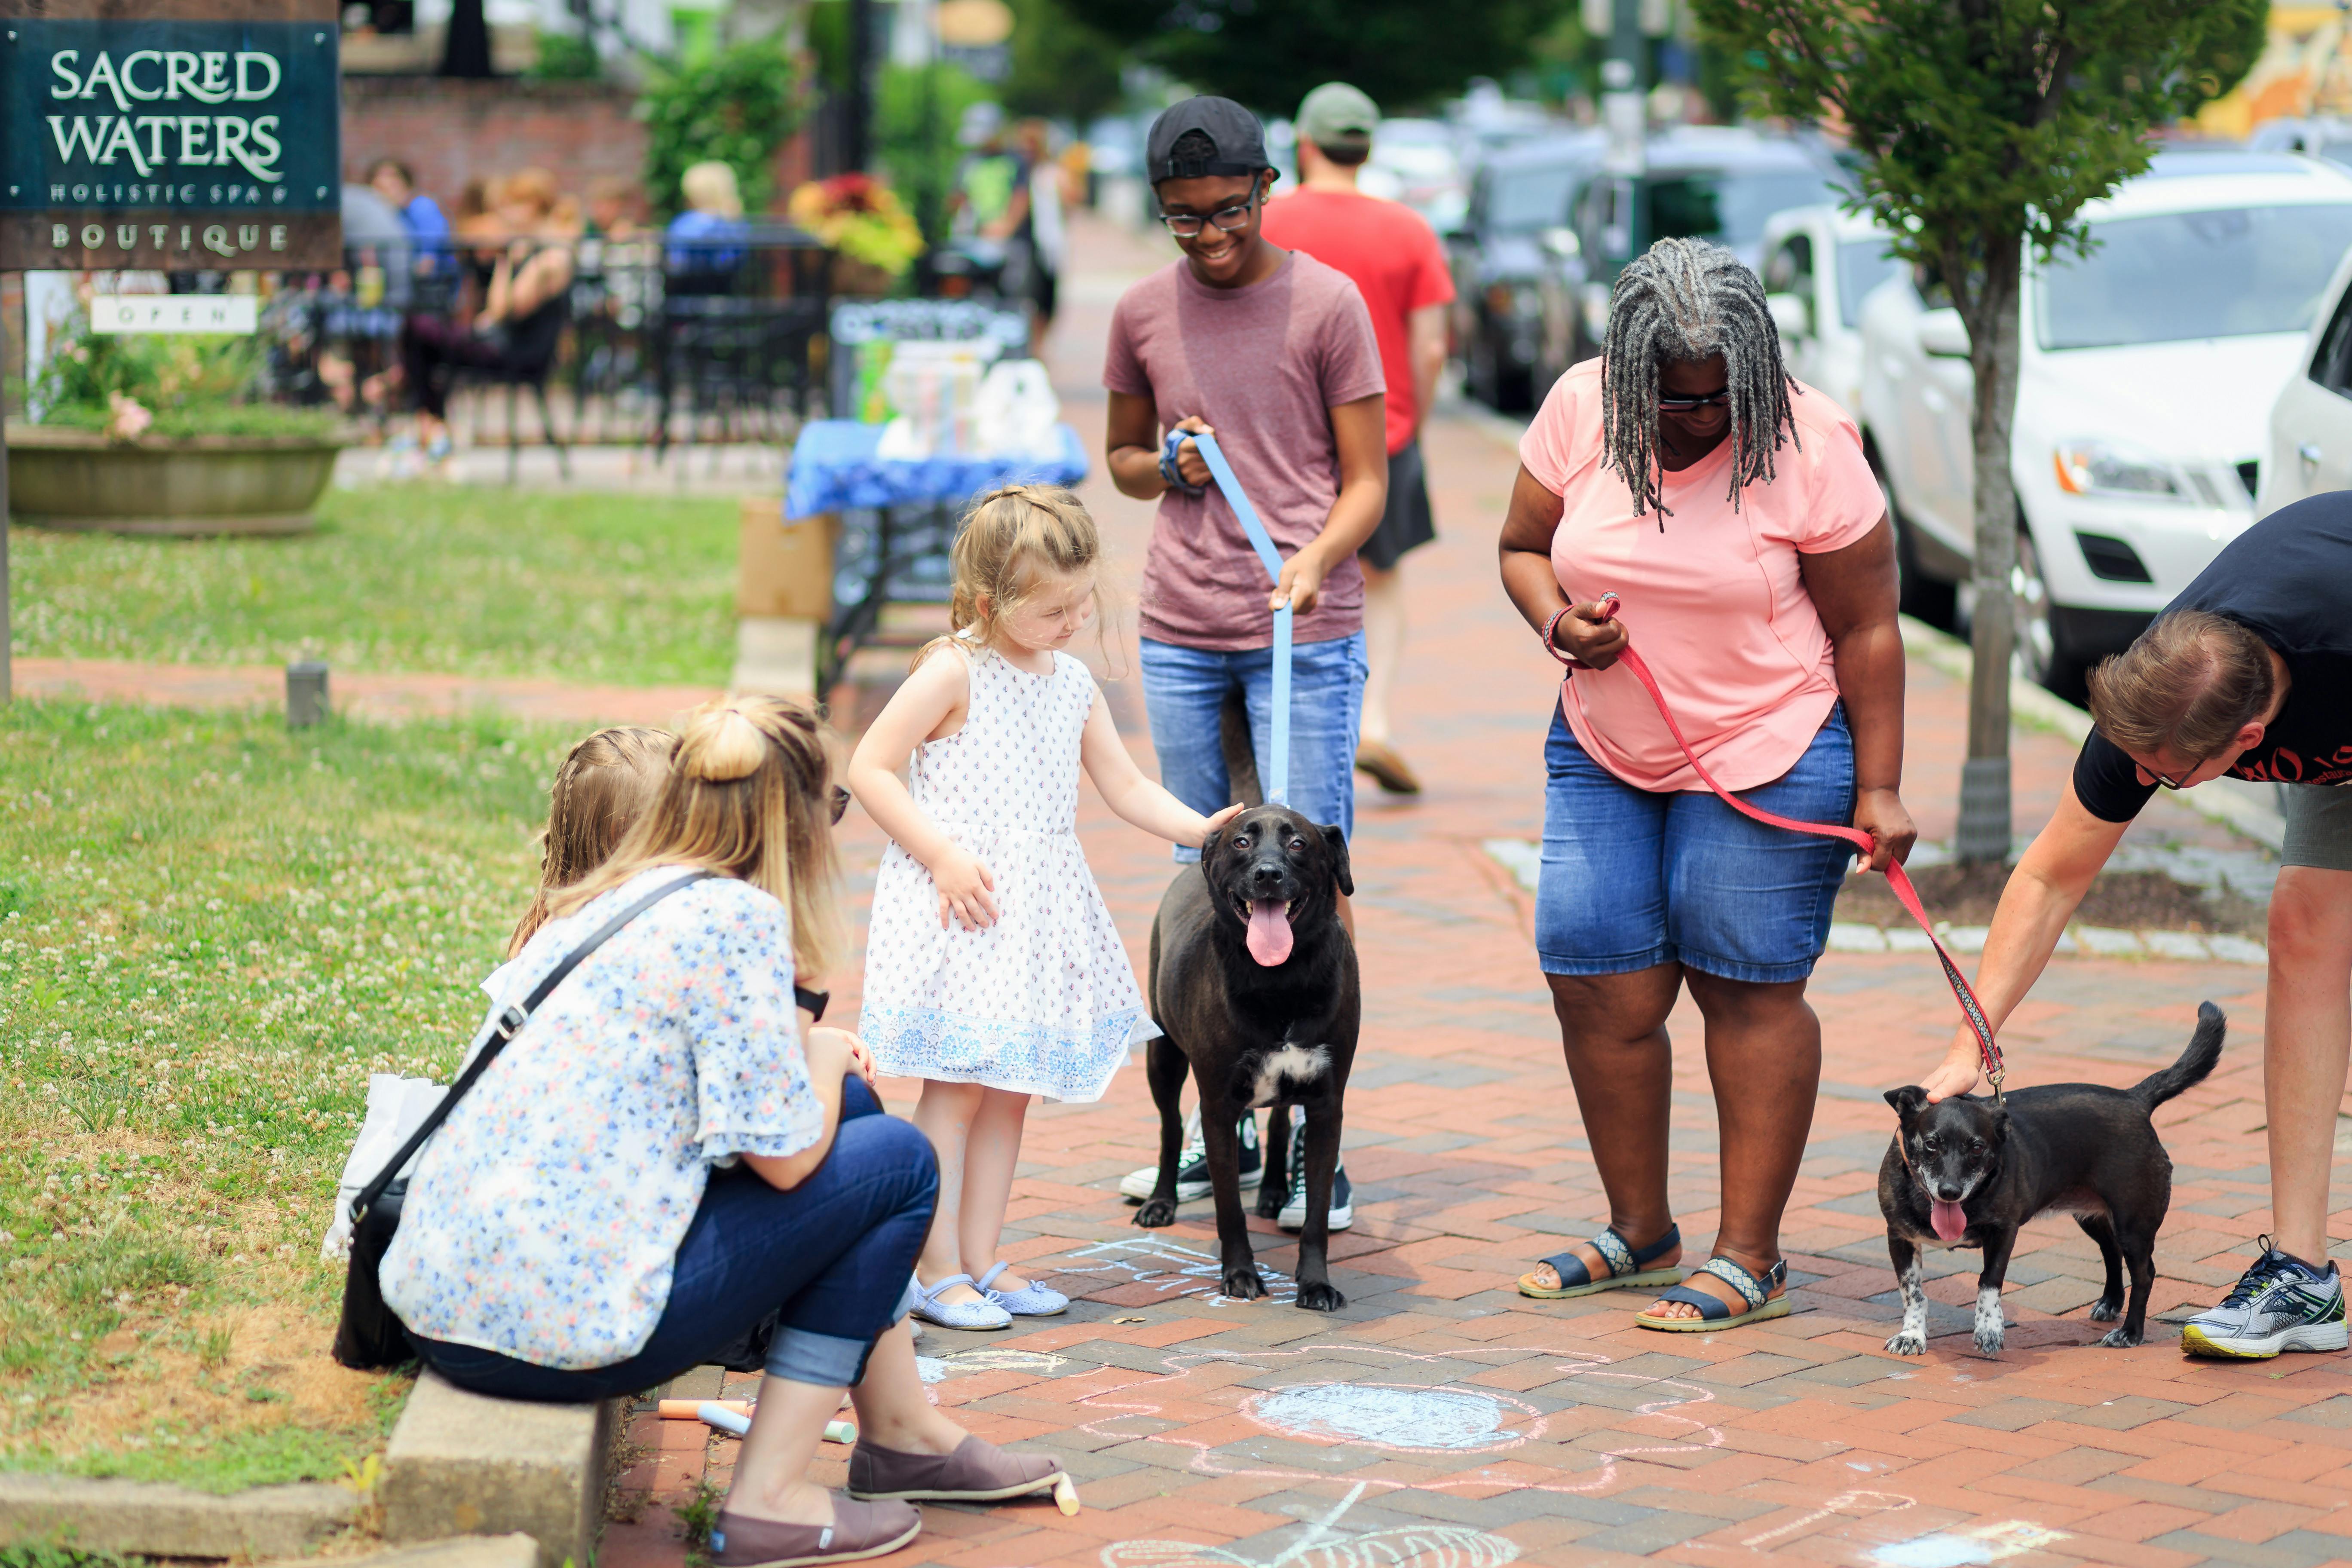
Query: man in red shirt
pixel 1397 264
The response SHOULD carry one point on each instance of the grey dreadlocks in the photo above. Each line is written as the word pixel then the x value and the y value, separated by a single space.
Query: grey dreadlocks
pixel 1689 300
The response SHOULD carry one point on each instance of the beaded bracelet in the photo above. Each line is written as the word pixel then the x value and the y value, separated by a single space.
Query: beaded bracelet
pixel 1551 628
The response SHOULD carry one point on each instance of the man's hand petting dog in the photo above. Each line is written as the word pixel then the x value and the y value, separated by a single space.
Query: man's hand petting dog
pixel 1255 980
pixel 1966 1172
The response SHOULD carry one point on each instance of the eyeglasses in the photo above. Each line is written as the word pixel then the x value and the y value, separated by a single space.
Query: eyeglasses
pixel 2174 784
pixel 840 803
pixel 1185 226
pixel 1667 404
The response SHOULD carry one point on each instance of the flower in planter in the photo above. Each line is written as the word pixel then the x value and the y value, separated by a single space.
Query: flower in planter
pixel 130 419
pixel 862 218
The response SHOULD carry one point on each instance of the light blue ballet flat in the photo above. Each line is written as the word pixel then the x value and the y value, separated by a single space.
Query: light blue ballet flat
pixel 983 1313
pixel 1032 1301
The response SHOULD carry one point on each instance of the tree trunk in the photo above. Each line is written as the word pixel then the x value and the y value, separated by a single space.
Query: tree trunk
pixel 1992 316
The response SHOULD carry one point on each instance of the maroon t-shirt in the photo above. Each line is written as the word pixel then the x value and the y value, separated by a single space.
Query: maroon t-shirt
pixel 1263 365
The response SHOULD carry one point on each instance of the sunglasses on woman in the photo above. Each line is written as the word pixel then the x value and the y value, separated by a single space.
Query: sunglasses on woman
pixel 1672 404
pixel 840 803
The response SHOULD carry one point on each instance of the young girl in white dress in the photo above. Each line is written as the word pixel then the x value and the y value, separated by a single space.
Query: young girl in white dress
pixel 992 970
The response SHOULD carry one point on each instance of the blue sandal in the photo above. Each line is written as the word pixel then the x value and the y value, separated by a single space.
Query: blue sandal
pixel 1626 1268
pixel 1032 1301
pixel 1714 1311
pixel 983 1313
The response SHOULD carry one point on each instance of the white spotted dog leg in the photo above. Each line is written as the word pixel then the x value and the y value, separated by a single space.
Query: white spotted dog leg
pixel 1989 1323
pixel 1912 1339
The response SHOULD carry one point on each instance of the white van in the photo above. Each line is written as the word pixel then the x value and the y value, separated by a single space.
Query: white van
pixel 2146 371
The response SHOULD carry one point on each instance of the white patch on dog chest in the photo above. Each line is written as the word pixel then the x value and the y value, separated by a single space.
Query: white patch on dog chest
pixel 1299 1064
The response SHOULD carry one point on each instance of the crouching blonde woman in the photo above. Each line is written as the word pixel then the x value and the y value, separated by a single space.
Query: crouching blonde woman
pixel 669 1149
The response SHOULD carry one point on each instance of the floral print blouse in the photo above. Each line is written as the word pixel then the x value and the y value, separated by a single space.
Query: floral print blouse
pixel 543 1216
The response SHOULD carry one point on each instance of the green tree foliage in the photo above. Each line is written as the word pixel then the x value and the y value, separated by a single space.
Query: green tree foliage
pixel 1063 69
pixel 1268 53
pixel 917 112
pixel 736 105
pixel 1981 128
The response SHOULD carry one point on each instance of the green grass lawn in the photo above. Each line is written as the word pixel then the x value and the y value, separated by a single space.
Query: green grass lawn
pixel 627 589
pixel 211 931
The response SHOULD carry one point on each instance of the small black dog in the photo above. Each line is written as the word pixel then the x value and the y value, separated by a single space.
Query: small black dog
pixel 1254 979
pixel 1967 1171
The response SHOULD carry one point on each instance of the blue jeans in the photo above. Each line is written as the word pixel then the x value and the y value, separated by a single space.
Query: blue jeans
pixel 836 1252
pixel 1184 692
pixel 1633 878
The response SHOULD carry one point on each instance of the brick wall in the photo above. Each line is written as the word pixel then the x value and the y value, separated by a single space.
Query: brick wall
pixel 451 130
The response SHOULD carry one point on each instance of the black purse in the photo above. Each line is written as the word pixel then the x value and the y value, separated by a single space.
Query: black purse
pixel 369 1337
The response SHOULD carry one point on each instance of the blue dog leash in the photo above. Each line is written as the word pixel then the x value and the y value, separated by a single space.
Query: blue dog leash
pixel 1276 779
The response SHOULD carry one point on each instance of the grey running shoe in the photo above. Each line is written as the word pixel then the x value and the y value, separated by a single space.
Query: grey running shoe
pixel 1192 1165
pixel 2281 1303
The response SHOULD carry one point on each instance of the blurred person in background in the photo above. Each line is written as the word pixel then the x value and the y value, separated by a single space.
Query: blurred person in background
pixel 524 307
pixel 706 240
pixel 614 209
pixel 1047 196
pixel 1394 258
pixel 420 214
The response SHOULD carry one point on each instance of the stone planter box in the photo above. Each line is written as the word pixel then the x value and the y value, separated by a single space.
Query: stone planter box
pixel 81 480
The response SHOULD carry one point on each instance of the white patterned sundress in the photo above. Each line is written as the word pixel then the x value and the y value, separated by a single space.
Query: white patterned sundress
pixel 1043 1001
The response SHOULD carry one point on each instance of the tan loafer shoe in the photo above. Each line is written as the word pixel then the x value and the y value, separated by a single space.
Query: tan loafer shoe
pixel 858 1530
pixel 1381 760
pixel 977 1471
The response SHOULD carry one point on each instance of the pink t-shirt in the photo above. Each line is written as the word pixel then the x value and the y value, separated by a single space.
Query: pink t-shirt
pixel 1713 603
pixel 1263 365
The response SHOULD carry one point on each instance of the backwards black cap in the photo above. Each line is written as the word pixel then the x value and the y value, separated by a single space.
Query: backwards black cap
pixel 1218 136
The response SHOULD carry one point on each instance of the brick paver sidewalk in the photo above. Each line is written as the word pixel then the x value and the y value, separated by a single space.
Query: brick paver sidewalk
pixel 1441 1418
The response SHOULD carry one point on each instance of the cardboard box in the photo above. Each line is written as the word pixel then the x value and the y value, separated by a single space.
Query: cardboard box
pixel 784 568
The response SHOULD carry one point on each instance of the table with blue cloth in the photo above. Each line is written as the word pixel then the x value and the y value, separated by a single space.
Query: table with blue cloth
pixel 897 517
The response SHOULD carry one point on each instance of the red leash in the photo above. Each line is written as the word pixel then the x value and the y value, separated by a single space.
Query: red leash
pixel 1897 878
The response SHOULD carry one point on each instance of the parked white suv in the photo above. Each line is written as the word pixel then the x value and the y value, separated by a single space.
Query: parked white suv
pixel 2310 423
pixel 2146 370
pixel 1820 264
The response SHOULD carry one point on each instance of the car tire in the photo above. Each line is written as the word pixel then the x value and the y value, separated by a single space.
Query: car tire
pixel 2043 654
pixel 1478 367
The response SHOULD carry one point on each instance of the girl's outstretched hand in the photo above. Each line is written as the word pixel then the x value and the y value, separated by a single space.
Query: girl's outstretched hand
pixel 1209 824
pixel 965 885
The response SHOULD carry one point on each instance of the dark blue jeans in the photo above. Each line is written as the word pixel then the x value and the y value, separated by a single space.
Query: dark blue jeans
pixel 835 1254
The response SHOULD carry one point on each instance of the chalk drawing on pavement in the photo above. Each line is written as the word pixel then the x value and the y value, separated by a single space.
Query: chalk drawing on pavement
pixel 1992 1542
pixel 1402 1418
pixel 1169 1268
pixel 1320 1544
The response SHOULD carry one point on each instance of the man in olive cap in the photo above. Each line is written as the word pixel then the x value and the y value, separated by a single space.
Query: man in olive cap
pixel 1397 264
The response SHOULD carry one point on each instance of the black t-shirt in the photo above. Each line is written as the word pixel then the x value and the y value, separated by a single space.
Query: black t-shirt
pixel 2289 578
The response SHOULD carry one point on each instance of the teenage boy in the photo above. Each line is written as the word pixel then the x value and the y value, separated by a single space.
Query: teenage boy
pixel 1394 258
pixel 1273 354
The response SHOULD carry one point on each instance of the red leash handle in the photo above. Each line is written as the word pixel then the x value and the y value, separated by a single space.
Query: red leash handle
pixel 1897 879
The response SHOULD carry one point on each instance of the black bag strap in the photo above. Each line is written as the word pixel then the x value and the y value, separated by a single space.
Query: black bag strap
pixel 504 1028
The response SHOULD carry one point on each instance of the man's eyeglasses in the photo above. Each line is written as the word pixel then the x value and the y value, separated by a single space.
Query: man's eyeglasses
pixel 1185 226
pixel 840 803
pixel 1671 404
pixel 2175 784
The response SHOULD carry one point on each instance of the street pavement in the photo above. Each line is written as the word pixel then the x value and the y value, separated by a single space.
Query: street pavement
pixel 1440 1418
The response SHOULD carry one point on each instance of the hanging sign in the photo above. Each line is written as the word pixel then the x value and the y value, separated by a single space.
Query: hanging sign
pixel 175 313
pixel 191 135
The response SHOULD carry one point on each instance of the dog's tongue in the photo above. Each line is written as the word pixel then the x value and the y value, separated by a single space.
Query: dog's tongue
pixel 1269 931
pixel 1949 1221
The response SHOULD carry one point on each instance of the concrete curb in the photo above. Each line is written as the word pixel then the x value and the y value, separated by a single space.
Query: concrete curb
pixel 2246 809
pixel 516 1550
pixel 1523 860
pixel 96 1514
pixel 464 1464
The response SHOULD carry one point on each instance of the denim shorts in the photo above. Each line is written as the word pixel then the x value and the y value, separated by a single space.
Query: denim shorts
pixel 1185 692
pixel 1635 878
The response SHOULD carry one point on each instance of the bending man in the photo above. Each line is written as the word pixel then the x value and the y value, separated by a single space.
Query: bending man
pixel 2249 673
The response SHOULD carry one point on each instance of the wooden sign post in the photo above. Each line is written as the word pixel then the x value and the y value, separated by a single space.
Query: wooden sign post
pixel 184 135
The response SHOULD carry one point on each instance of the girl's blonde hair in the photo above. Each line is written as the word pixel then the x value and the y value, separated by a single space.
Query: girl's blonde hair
pixel 749 795
pixel 711 188
pixel 1010 538
pixel 603 785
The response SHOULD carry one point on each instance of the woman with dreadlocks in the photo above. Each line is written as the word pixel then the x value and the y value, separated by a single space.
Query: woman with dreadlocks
pixel 1730 508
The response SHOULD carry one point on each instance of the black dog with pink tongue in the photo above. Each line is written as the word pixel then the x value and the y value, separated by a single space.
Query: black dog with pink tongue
pixel 1971 1170
pixel 1254 979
